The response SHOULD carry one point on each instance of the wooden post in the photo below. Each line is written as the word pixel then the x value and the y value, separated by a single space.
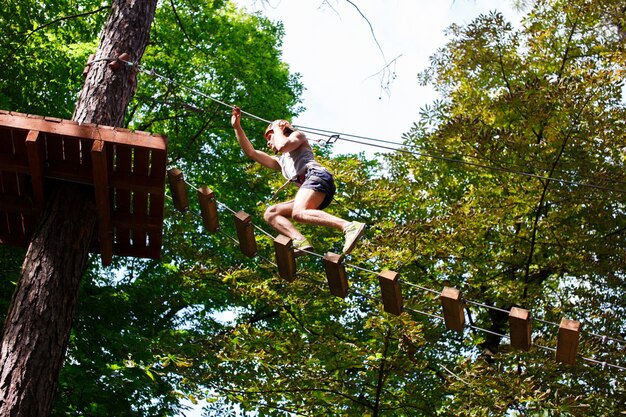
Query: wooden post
pixel 336 274
pixel 452 304
pixel 390 289
pixel 283 246
pixel 245 234
pixel 567 342
pixel 521 326
pixel 178 190
pixel 208 208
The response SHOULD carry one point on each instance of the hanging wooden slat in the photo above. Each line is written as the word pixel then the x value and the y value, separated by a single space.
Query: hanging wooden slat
pixel 245 234
pixel 208 208
pixel 452 304
pixel 336 274
pixel 285 259
pixel 567 341
pixel 521 326
pixel 177 187
pixel 390 289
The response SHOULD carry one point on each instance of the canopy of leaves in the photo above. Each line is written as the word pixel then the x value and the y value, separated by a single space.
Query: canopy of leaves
pixel 510 188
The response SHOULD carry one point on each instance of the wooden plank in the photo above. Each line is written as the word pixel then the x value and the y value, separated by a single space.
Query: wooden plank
pixel 54 152
pixel 11 159
pixel 390 289
pixel 85 152
pixel 11 191
pixel 452 304
pixel 141 183
pixel 285 259
pixel 35 150
pixel 520 324
pixel 103 203
pixel 138 223
pixel 336 274
pixel 141 167
pixel 65 171
pixel 245 234
pixel 122 204
pixel 208 209
pixel 178 189
pixel 86 130
pixel 71 151
pixel 567 341
pixel 5 231
pixel 156 198
pixel 19 144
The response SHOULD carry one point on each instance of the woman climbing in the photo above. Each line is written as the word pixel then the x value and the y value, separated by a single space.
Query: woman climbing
pixel 316 185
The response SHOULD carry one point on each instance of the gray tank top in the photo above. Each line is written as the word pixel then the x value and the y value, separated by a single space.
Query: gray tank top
pixel 295 163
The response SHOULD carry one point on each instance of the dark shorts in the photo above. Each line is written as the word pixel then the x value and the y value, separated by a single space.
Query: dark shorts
pixel 320 180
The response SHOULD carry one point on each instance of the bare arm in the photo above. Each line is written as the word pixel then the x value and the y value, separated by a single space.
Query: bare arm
pixel 287 143
pixel 258 156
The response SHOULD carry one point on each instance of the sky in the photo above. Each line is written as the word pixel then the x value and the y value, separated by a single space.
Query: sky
pixel 332 47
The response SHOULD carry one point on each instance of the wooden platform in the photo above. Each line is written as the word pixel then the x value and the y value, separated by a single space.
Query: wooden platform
pixel 126 170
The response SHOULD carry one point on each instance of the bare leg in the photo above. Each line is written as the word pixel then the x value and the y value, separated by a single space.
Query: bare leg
pixel 304 210
pixel 278 217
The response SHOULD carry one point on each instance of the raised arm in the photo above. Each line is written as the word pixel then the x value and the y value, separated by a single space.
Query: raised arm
pixel 287 142
pixel 258 156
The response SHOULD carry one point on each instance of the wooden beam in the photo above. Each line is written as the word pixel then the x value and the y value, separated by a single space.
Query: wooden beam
pixel 336 274
pixel 390 289
pixel 521 327
pixel 285 259
pixel 567 342
pixel 71 128
pixel 452 304
pixel 36 158
pixel 103 203
pixel 208 208
pixel 178 189
pixel 245 234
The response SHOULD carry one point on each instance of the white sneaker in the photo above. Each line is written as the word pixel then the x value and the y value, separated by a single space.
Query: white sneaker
pixel 353 232
pixel 300 246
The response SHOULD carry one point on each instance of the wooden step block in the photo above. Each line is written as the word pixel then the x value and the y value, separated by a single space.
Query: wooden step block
pixel 336 274
pixel 245 234
pixel 390 289
pixel 178 189
pixel 567 342
pixel 285 259
pixel 453 313
pixel 208 209
pixel 521 326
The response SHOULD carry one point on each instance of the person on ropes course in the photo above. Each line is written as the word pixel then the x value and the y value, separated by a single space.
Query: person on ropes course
pixel 297 163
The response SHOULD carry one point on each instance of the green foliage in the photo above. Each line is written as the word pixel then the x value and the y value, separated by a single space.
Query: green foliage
pixel 518 106
pixel 43 51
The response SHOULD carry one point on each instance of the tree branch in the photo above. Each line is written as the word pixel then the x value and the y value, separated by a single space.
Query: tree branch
pixel 61 19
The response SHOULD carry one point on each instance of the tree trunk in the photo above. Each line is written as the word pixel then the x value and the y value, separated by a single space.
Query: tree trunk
pixel 37 327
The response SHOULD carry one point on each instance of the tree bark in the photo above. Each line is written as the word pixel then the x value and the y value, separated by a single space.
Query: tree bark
pixel 38 324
